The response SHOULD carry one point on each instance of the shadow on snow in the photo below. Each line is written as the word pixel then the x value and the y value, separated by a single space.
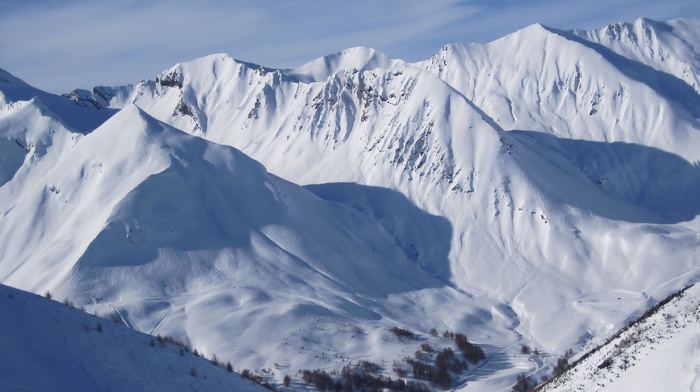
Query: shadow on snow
pixel 619 181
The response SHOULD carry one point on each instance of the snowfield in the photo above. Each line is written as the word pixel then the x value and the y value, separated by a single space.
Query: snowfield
pixel 538 190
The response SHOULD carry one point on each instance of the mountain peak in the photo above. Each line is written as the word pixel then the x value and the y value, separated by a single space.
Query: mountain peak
pixel 6 77
pixel 360 58
pixel 14 89
pixel 529 32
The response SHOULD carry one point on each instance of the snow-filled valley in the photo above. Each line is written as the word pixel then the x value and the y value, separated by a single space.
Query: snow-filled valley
pixel 541 190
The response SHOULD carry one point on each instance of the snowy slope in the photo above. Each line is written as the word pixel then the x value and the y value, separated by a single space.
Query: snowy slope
pixel 521 191
pixel 661 353
pixel 48 346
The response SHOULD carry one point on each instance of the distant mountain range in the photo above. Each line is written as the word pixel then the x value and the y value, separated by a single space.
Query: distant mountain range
pixel 540 190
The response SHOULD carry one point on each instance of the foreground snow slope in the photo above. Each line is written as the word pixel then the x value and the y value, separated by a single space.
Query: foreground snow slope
pixel 47 346
pixel 661 353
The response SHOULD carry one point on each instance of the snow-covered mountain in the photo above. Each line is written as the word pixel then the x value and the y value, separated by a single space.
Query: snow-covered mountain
pixel 671 47
pixel 13 90
pixel 47 346
pixel 625 83
pixel 540 189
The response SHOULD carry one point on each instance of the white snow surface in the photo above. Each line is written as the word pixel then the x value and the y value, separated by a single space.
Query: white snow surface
pixel 47 346
pixel 662 353
pixel 539 189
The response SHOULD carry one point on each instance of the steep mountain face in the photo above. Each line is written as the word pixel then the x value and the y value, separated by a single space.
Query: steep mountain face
pixel 538 189
pixel 50 347
pixel 671 47
pixel 559 82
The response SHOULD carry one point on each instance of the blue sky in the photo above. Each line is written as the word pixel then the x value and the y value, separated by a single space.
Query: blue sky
pixel 61 45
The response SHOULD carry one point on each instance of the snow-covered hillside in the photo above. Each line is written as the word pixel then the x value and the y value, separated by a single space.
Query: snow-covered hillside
pixel 540 189
pixel 47 346
pixel 660 353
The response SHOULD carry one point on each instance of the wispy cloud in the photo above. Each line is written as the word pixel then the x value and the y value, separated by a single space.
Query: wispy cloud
pixel 61 45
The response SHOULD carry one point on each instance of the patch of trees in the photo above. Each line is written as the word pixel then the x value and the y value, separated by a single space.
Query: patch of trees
pixel 215 360
pixel 256 378
pixel 356 379
pixel 399 370
pixel 523 384
pixel 368 367
pixel 319 378
pixel 446 362
pixel 438 367
pixel 473 353
pixel 163 339
pixel 606 363
pixel 562 363
pixel 440 373
pixel 447 359
pixel 401 332
pixel 448 335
